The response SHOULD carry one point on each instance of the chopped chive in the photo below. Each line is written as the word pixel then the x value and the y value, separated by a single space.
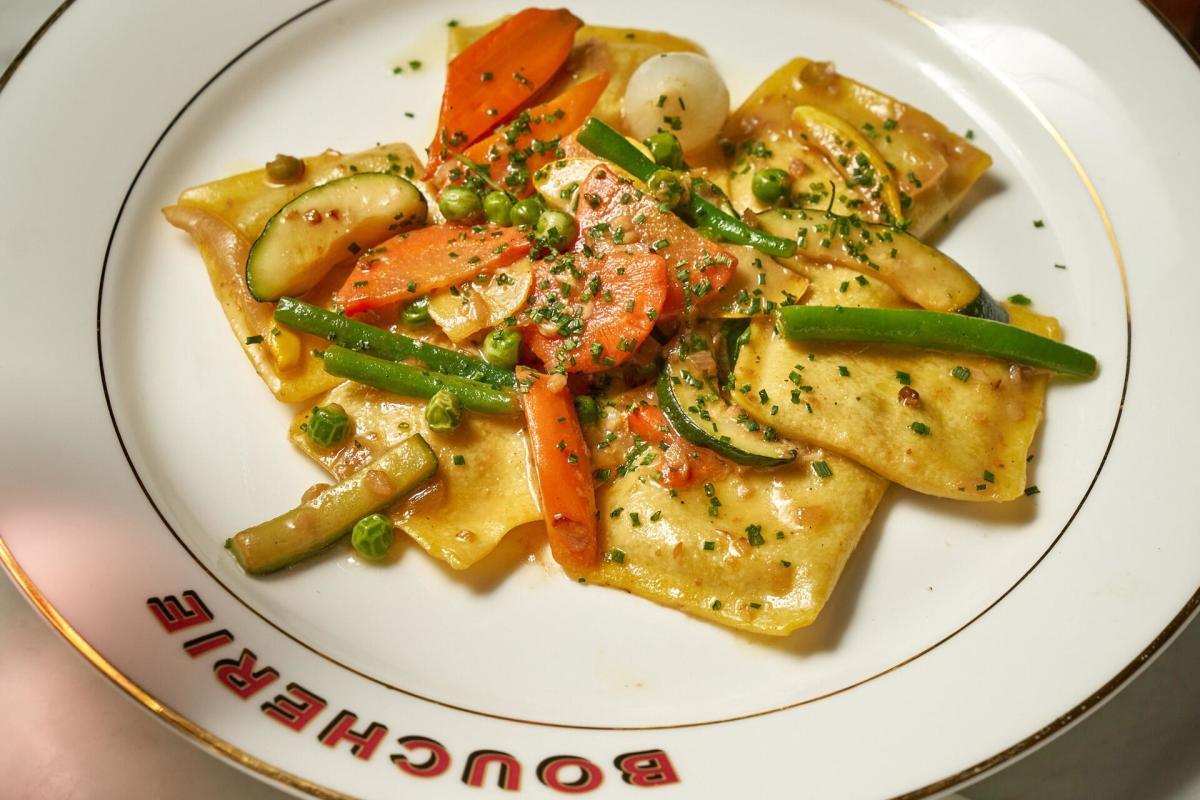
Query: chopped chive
pixel 920 428
pixel 754 535
pixel 903 377
pixel 710 545
pixel 716 606
pixel 988 476
pixel 1020 300
pixel 254 339
pixel 617 555
pixel 1032 490
pixel 821 469
pixel 845 373
pixel 962 373
pixel 1037 223
pixel 459 460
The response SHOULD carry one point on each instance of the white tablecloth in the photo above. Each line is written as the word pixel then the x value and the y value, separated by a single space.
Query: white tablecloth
pixel 67 733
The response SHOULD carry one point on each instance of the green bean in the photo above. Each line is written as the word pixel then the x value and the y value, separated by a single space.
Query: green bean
pixel 410 381
pixel 935 330
pixel 385 344
pixel 608 144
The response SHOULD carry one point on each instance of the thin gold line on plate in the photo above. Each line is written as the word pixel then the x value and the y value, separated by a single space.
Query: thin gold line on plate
pixel 210 741
pixel 217 745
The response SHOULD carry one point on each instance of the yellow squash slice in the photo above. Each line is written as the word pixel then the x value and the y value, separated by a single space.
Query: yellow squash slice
pixel 926 163
pixel 486 302
pixel 465 509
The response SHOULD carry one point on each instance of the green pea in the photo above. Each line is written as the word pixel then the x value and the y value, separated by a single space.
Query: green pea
pixel 587 409
pixel 666 186
pixel 665 149
pixel 501 347
pixel 417 312
pixel 327 424
pixel 460 203
pixel 372 536
pixel 771 185
pixel 285 169
pixel 497 207
pixel 443 412
pixel 527 211
pixel 556 229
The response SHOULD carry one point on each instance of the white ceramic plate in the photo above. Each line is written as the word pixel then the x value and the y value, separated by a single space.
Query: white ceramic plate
pixel 136 437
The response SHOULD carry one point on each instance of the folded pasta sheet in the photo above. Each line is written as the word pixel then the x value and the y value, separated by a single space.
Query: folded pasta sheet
pixel 951 425
pixel 851 146
pixel 764 557
pixel 224 218
pixel 467 508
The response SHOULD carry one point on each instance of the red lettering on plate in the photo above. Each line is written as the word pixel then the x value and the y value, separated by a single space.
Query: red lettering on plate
pixel 475 773
pixel 239 676
pixel 209 641
pixel 361 744
pixel 295 711
pixel 437 762
pixel 589 778
pixel 174 617
pixel 646 768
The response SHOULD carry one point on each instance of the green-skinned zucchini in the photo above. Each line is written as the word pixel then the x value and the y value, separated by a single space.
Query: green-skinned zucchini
pixel 689 399
pixel 919 273
pixel 317 523
pixel 326 225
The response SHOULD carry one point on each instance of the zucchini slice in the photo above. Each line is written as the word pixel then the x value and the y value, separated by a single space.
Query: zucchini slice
pixel 317 523
pixel 919 273
pixel 326 225
pixel 690 401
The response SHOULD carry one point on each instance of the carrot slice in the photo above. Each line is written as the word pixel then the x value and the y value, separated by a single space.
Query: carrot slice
pixel 684 464
pixel 498 74
pixel 410 264
pixel 564 469
pixel 613 213
pixel 590 314
pixel 535 135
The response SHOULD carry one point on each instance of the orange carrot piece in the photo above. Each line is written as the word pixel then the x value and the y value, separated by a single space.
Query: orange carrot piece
pixel 615 204
pixel 684 464
pixel 617 299
pixel 499 74
pixel 535 134
pixel 564 469
pixel 411 264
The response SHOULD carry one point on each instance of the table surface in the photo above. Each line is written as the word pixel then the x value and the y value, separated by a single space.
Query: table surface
pixel 82 739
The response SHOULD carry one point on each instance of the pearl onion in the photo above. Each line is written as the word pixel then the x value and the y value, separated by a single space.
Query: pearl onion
pixel 689 77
